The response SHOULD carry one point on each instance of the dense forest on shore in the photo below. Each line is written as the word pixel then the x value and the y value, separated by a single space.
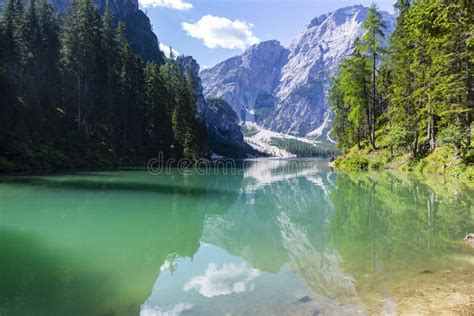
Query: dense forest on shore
pixel 73 94
pixel 409 104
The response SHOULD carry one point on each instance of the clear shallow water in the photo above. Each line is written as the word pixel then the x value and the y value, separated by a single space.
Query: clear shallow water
pixel 278 237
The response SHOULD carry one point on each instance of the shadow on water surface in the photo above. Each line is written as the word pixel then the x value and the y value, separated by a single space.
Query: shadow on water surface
pixel 79 253
pixel 35 280
pixel 111 185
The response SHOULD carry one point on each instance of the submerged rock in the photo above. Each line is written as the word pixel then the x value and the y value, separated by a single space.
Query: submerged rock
pixel 469 240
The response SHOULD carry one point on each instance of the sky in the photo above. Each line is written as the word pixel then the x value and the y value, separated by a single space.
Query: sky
pixel 214 30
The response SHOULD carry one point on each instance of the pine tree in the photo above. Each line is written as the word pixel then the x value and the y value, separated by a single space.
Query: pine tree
pixel 129 85
pixel 48 56
pixel 79 71
pixel 372 42
pixel 355 86
pixel 29 45
pixel 158 127
pixel 110 59
pixel 421 93
pixel 341 126
pixel 81 59
pixel 11 18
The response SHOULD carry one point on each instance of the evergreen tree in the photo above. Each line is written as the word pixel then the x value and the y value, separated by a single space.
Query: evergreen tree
pixel 129 85
pixel 421 93
pixel 354 84
pixel 12 15
pixel 372 41
pixel 341 126
pixel 81 56
pixel 73 93
pixel 158 126
pixel 110 59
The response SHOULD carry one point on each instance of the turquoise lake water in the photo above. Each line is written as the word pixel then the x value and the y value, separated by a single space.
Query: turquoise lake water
pixel 276 237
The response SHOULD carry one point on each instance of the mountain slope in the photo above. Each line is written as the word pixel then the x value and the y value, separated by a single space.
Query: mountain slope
pixel 247 82
pixel 288 94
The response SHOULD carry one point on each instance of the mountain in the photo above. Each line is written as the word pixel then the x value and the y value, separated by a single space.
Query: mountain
pixel 284 89
pixel 248 82
pixel 224 133
pixel 139 30
pixel 222 123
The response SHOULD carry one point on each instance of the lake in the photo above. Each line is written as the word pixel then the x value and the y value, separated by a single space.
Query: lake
pixel 273 237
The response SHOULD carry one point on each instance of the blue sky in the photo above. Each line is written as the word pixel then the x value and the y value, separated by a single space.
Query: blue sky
pixel 214 30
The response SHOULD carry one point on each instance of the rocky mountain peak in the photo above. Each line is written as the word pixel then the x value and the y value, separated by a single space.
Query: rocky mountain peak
pixel 247 81
pixel 191 67
pixel 284 90
pixel 337 15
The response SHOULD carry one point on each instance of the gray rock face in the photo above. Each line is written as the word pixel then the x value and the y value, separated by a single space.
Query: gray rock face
pixel 225 135
pixel 139 31
pixel 120 7
pixel 248 82
pixel 191 67
pixel 291 88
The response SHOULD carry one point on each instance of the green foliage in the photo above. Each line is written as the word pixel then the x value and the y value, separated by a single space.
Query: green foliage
pixel 353 163
pixel 421 94
pixel 353 95
pixel 74 94
pixel 398 138
pixel 456 135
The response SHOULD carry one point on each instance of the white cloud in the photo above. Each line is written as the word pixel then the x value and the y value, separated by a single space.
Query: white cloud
pixel 175 310
pixel 166 50
pixel 231 278
pixel 221 32
pixel 171 4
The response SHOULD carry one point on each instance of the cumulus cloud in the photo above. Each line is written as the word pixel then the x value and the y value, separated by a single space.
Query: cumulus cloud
pixel 171 4
pixel 166 50
pixel 216 31
pixel 175 310
pixel 230 278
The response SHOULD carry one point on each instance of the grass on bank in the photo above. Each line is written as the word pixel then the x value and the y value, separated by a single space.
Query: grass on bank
pixel 442 161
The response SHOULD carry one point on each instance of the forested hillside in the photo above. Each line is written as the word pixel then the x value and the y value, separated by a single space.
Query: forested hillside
pixel 73 94
pixel 409 105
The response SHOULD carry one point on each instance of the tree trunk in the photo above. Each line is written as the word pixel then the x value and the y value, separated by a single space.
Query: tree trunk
pixel 358 139
pixel 415 143
pixel 87 109
pixel 469 103
pixel 79 105
pixel 369 122
pixel 367 113
pixel 431 130
pixel 374 98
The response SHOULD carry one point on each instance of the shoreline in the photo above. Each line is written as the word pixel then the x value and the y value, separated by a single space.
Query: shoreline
pixel 441 164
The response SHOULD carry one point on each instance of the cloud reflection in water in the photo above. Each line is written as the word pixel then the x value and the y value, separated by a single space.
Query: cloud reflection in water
pixel 230 278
